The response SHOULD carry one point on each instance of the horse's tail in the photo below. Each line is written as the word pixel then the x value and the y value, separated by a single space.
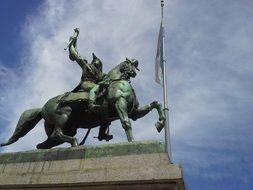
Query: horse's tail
pixel 26 123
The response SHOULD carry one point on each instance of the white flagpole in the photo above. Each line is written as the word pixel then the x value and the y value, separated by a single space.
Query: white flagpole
pixel 165 91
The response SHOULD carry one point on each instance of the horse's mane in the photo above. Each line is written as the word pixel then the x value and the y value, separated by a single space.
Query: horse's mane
pixel 117 71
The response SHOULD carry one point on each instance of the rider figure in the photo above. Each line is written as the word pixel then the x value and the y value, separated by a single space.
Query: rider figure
pixel 92 76
pixel 92 80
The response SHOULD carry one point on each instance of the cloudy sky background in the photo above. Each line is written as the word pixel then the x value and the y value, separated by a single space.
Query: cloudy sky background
pixel 209 50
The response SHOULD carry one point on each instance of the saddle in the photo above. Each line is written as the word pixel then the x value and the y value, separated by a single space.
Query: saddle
pixel 78 97
pixel 74 97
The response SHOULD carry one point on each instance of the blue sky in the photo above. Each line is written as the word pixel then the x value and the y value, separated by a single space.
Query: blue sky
pixel 209 50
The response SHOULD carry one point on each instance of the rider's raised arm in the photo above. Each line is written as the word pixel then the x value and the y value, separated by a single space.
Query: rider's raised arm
pixel 73 53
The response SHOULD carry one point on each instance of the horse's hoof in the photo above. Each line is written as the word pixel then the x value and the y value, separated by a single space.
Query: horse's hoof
pixel 159 126
pixel 41 146
pixel 154 104
pixel 74 143
pixel 108 137
pixel 131 140
pixel 105 137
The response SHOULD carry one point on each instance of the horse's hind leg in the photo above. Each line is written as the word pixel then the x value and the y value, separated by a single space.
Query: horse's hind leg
pixel 61 120
pixel 59 136
pixel 49 143
pixel 121 107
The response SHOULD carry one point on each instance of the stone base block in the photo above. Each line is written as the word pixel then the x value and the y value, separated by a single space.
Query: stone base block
pixel 124 166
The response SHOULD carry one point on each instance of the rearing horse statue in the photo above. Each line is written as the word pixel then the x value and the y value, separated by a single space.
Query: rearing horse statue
pixel 65 113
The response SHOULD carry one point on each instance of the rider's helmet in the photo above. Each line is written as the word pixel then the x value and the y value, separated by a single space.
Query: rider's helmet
pixel 96 62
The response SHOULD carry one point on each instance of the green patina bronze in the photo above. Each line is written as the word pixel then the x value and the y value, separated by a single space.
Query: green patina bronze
pixel 98 100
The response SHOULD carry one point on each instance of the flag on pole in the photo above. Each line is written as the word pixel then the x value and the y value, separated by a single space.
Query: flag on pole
pixel 159 57
pixel 161 78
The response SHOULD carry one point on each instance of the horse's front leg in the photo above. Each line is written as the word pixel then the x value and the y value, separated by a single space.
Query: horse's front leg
pixel 142 111
pixel 161 123
pixel 121 107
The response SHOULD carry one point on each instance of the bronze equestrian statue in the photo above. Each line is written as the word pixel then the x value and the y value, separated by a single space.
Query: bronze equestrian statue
pixel 114 99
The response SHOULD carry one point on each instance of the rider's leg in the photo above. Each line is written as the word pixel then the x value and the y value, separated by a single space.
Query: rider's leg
pixel 92 97
pixel 92 88
pixel 121 107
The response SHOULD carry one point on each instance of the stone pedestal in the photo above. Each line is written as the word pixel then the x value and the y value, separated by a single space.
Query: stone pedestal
pixel 124 166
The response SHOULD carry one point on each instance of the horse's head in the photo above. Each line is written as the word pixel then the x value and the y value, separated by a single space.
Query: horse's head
pixel 128 68
pixel 124 70
pixel 96 62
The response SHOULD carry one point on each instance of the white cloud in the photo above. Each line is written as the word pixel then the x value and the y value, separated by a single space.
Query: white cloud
pixel 209 59
pixel 7 78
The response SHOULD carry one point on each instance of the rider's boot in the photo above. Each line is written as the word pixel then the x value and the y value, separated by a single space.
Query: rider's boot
pixel 92 106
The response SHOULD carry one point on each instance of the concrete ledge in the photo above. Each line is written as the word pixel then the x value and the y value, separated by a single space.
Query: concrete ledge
pixel 127 166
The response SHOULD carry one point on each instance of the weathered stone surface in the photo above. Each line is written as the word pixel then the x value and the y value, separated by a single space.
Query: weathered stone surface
pixel 137 165
pixel 126 148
